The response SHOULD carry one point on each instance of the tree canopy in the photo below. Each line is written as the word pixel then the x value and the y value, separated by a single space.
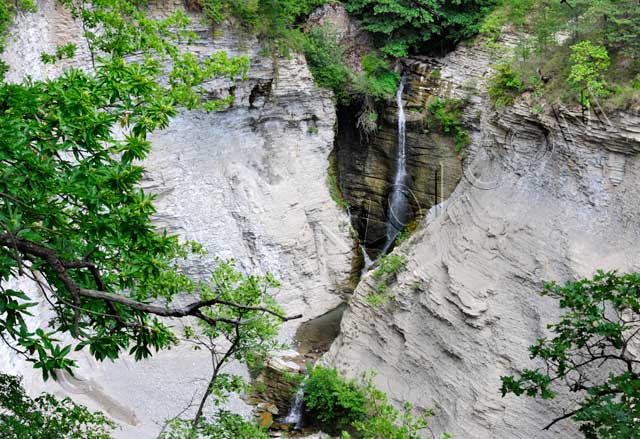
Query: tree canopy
pixel 408 26
pixel 590 355
pixel 46 417
pixel 575 51
pixel 73 217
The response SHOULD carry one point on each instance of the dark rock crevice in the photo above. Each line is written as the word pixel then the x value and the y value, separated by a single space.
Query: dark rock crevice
pixel 366 165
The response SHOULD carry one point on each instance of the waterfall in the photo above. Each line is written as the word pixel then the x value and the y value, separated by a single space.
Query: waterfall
pixel 368 262
pixel 294 417
pixel 398 202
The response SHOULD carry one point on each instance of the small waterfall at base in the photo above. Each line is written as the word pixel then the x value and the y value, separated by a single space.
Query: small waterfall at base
pixel 398 202
pixel 368 262
pixel 294 417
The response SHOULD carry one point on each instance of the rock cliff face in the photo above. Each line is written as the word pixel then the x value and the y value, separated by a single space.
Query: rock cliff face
pixel 366 165
pixel 548 195
pixel 249 183
pixel 545 196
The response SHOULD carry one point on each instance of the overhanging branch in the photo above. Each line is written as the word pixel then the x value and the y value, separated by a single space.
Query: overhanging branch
pixel 61 268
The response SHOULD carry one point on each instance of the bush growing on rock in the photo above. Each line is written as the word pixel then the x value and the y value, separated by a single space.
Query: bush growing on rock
pixel 504 86
pixel 384 274
pixel 447 115
pixel 357 409
pixel 336 403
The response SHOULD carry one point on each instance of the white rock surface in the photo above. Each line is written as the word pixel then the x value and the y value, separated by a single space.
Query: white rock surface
pixel 249 183
pixel 545 197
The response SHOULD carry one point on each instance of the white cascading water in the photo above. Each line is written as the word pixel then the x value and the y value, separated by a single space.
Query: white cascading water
pixel 368 262
pixel 294 417
pixel 398 202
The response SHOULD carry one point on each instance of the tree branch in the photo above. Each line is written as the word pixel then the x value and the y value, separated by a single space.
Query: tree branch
pixel 60 267
pixel 561 418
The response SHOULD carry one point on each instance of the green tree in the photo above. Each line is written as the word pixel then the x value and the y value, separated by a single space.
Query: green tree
pixel 72 214
pixel 613 23
pixel 589 355
pixel 46 417
pixel 589 65
pixel 601 32
pixel 227 341
pixel 404 26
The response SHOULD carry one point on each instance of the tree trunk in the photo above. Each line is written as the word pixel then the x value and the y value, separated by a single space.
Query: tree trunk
pixel 206 395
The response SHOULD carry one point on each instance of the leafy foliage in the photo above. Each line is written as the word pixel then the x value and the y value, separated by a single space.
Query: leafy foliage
pixel 447 115
pixel 72 215
pixel 405 26
pixel 358 409
pixel 542 61
pixel 590 63
pixel 388 266
pixel 589 355
pixel 377 80
pixel 227 340
pixel 45 416
pixel 224 425
pixel 273 20
pixel 325 59
pixel 325 56
pixel 335 402
pixel 504 86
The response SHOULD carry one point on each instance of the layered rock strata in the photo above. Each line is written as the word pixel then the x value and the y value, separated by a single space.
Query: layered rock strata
pixel 249 183
pixel 547 194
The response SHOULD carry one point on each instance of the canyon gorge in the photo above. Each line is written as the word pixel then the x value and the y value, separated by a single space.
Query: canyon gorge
pixel 541 192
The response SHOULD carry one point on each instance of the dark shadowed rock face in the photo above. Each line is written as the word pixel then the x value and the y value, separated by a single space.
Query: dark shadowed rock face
pixel 366 165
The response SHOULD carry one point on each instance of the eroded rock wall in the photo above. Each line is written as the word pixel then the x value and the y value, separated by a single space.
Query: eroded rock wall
pixel 366 164
pixel 551 195
pixel 249 183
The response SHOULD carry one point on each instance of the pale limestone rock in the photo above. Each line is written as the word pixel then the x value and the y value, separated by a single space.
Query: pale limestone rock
pixel 549 196
pixel 249 183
